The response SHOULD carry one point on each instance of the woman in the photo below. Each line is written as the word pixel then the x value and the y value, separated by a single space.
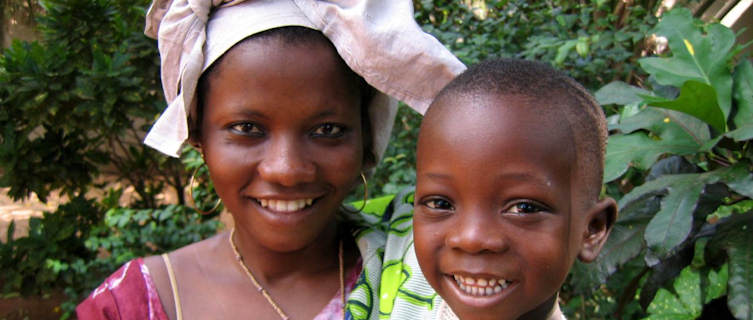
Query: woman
pixel 287 126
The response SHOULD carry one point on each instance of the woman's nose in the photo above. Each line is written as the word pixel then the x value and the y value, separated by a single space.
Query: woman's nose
pixel 285 162
pixel 477 233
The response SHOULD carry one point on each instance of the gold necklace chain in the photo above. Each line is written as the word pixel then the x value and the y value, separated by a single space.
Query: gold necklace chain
pixel 265 293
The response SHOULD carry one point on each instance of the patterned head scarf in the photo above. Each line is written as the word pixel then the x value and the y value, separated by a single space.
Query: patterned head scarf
pixel 378 39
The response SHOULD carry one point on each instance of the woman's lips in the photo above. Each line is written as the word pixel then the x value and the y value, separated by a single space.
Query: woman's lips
pixel 285 205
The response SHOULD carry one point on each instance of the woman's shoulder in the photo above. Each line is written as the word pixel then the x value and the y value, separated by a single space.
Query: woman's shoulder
pixel 141 288
pixel 164 268
pixel 128 293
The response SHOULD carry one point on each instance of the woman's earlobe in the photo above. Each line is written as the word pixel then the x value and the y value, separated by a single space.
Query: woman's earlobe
pixel 600 220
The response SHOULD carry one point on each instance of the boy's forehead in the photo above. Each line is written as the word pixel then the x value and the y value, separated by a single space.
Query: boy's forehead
pixel 503 134
pixel 485 113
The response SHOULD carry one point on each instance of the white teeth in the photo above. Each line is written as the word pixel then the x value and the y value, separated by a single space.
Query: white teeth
pixel 480 286
pixel 285 205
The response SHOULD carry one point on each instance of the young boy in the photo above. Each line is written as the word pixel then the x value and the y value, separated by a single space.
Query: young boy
pixel 509 169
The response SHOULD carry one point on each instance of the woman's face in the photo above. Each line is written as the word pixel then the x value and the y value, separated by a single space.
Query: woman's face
pixel 281 134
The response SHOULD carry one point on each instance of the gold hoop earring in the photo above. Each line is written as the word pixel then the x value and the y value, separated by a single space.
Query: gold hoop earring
pixel 365 192
pixel 190 195
pixel 365 197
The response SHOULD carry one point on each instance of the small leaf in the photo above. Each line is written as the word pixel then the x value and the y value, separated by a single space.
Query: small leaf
pixel 621 93
pixel 666 306
pixel 717 284
pixel 563 51
pixel 581 47
pixel 688 288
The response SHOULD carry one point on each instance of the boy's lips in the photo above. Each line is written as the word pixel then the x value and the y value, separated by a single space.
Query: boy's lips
pixel 480 286
pixel 479 291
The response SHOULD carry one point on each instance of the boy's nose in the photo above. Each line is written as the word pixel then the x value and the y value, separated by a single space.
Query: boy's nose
pixel 476 234
pixel 286 163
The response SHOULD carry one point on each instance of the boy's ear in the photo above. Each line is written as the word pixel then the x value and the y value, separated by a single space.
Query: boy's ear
pixel 600 220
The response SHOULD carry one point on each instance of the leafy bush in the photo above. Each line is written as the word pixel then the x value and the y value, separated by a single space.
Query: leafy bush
pixel 73 109
pixel 79 100
pixel 680 164
pixel 593 41
pixel 29 263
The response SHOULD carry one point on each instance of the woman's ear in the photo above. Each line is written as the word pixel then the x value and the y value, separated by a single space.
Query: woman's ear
pixel 600 219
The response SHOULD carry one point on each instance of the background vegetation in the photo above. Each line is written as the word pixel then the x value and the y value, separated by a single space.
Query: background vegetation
pixel 74 105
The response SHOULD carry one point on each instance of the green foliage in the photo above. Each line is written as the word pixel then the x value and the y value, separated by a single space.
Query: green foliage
pixel 31 264
pixel 684 146
pixel 593 41
pixel 79 100
pixel 73 110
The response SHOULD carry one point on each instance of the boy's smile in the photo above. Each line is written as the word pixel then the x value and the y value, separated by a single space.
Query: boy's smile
pixel 497 220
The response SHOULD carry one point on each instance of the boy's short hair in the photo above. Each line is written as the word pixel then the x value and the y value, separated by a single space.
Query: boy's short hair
pixel 541 82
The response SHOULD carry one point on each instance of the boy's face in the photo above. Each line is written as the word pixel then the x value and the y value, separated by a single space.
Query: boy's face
pixel 497 221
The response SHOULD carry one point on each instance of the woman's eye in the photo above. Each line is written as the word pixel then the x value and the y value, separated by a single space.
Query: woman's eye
pixel 438 204
pixel 329 130
pixel 246 128
pixel 526 207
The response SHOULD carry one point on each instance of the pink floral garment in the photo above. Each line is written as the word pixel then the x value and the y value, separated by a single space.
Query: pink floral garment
pixel 129 293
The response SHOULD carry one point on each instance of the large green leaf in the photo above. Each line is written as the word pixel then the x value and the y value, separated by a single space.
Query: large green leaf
pixel 739 244
pixel 672 224
pixel 640 151
pixel 695 55
pixel 696 99
pixel 625 241
pixel 621 93
pixel 738 178
pixel 743 95
pixel 668 125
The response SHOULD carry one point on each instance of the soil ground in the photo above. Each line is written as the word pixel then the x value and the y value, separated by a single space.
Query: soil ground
pixel 21 211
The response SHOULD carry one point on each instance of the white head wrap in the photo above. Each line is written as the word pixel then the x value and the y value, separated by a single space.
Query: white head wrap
pixel 378 39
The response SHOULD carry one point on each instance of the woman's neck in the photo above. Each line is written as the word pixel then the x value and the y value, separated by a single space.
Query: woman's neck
pixel 269 265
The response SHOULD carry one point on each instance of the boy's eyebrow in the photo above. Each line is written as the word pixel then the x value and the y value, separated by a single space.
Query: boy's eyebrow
pixel 525 176
pixel 521 176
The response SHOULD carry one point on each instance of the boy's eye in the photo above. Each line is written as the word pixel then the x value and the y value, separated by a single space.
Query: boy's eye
pixel 438 204
pixel 246 128
pixel 526 207
pixel 329 130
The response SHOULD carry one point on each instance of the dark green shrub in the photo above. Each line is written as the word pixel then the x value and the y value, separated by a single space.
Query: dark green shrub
pixel 681 165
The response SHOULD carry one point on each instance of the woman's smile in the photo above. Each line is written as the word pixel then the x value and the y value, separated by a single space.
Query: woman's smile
pixel 285 205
